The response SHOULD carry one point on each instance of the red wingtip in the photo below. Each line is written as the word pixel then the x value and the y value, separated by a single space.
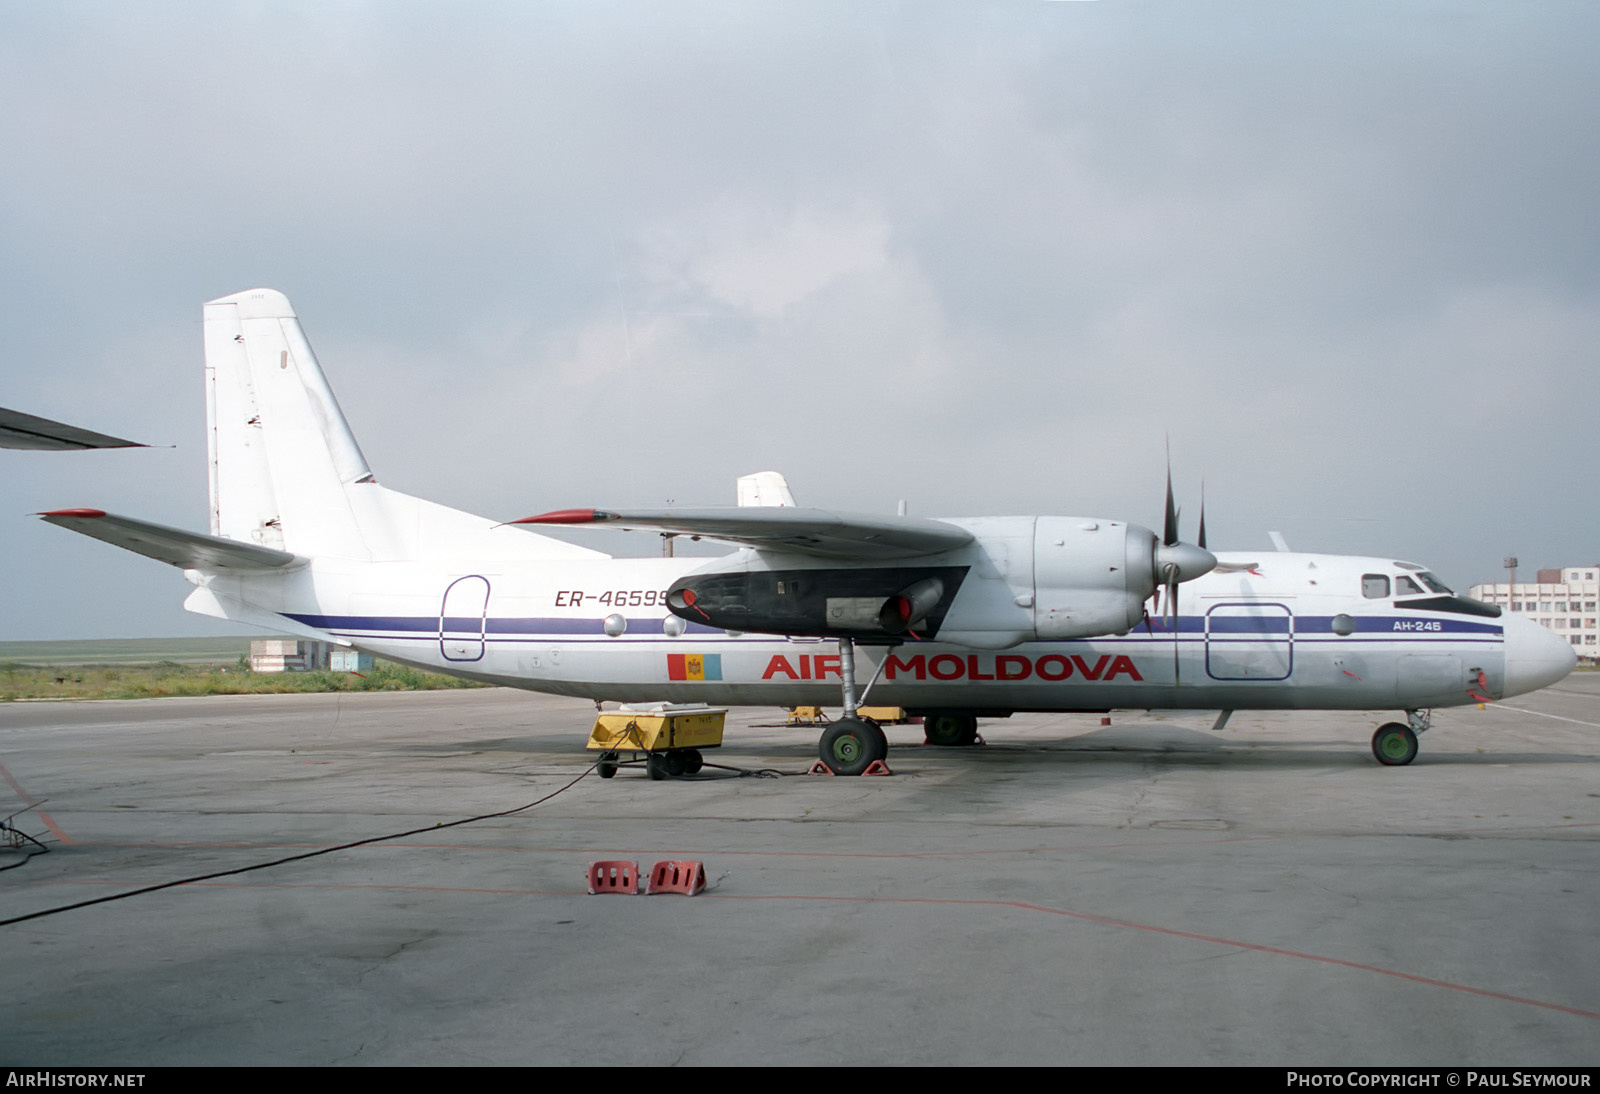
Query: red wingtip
pixel 565 516
pixel 73 513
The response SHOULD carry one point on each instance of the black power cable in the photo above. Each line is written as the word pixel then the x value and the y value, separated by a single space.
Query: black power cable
pixel 290 858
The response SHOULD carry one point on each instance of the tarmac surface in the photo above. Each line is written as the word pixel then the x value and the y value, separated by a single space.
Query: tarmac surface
pixel 1144 893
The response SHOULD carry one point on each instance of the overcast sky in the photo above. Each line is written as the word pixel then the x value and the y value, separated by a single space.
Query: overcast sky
pixel 982 255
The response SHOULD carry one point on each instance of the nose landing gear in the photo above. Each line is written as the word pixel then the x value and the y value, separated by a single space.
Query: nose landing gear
pixel 1395 743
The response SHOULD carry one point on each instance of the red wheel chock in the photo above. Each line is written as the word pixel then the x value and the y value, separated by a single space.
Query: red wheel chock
pixel 687 878
pixel 876 767
pixel 614 876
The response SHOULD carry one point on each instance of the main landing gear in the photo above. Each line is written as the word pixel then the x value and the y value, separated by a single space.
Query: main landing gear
pixel 1395 743
pixel 852 744
pixel 950 728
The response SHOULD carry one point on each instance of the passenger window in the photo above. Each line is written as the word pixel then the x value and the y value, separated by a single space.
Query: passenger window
pixel 1374 586
pixel 1404 586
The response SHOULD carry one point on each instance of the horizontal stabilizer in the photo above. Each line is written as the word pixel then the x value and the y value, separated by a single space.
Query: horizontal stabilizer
pixel 187 550
pixel 19 430
pixel 800 531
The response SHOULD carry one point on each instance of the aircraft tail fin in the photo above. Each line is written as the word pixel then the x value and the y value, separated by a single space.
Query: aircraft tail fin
pixel 281 453
pixel 286 471
pixel 766 489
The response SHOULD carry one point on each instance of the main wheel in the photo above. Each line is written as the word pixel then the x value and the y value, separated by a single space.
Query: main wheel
pixel 947 728
pixel 1394 744
pixel 851 745
pixel 692 761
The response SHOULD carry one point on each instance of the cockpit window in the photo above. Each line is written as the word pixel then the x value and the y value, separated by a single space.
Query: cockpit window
pixel 1374 586
pixel 1434 584
pixel 1404 586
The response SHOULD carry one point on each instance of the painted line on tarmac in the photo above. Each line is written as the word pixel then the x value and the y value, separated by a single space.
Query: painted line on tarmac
pixel 1083 917
pixel 49 821
pixel 1175 933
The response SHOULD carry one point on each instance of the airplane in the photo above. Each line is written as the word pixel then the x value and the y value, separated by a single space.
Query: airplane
pixel 952 619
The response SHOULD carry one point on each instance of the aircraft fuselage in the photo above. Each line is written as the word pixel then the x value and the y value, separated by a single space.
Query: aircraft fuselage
pixel 1295 633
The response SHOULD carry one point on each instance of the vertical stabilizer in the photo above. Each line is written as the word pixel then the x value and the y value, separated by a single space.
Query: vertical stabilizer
pixel 764 488
pixel 281 452
pixel 286 472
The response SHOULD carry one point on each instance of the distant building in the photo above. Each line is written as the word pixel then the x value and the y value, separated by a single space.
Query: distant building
pixel 343 660
pixel 287 655
pixel 1565 599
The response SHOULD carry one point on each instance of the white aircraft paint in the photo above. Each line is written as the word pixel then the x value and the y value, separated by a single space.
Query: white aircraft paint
pixel 304 540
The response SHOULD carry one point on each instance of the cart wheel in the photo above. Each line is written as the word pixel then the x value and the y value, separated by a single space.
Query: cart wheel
pixel 674 763
pixel 656 764
pixel 692 761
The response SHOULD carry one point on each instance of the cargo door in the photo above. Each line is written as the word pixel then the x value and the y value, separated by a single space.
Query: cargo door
pixel 1248 641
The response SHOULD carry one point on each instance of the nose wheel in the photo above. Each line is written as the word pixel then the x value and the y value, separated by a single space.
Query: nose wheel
pixel 1394 744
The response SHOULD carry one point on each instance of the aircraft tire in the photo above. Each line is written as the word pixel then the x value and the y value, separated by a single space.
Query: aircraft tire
pixel 692 761
pixel 851 745
pixel 1394 744
pixel 950 729
pixel 656 765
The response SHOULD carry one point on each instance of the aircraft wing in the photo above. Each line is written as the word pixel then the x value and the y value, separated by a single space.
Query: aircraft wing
pixel 816 532
pixel 19 430
pixel 174 546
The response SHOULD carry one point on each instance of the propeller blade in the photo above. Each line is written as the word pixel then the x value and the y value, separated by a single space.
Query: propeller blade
pixel 1174 561
pixel 1169 530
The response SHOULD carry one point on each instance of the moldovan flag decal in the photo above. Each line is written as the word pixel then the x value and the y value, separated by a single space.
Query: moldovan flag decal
pixel 694 666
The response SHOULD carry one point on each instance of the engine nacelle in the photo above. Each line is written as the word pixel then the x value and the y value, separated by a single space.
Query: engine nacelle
pixel 1090 577
pixel 1023 579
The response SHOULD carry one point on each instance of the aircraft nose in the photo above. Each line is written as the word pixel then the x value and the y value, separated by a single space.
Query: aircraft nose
pixel 1535 657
